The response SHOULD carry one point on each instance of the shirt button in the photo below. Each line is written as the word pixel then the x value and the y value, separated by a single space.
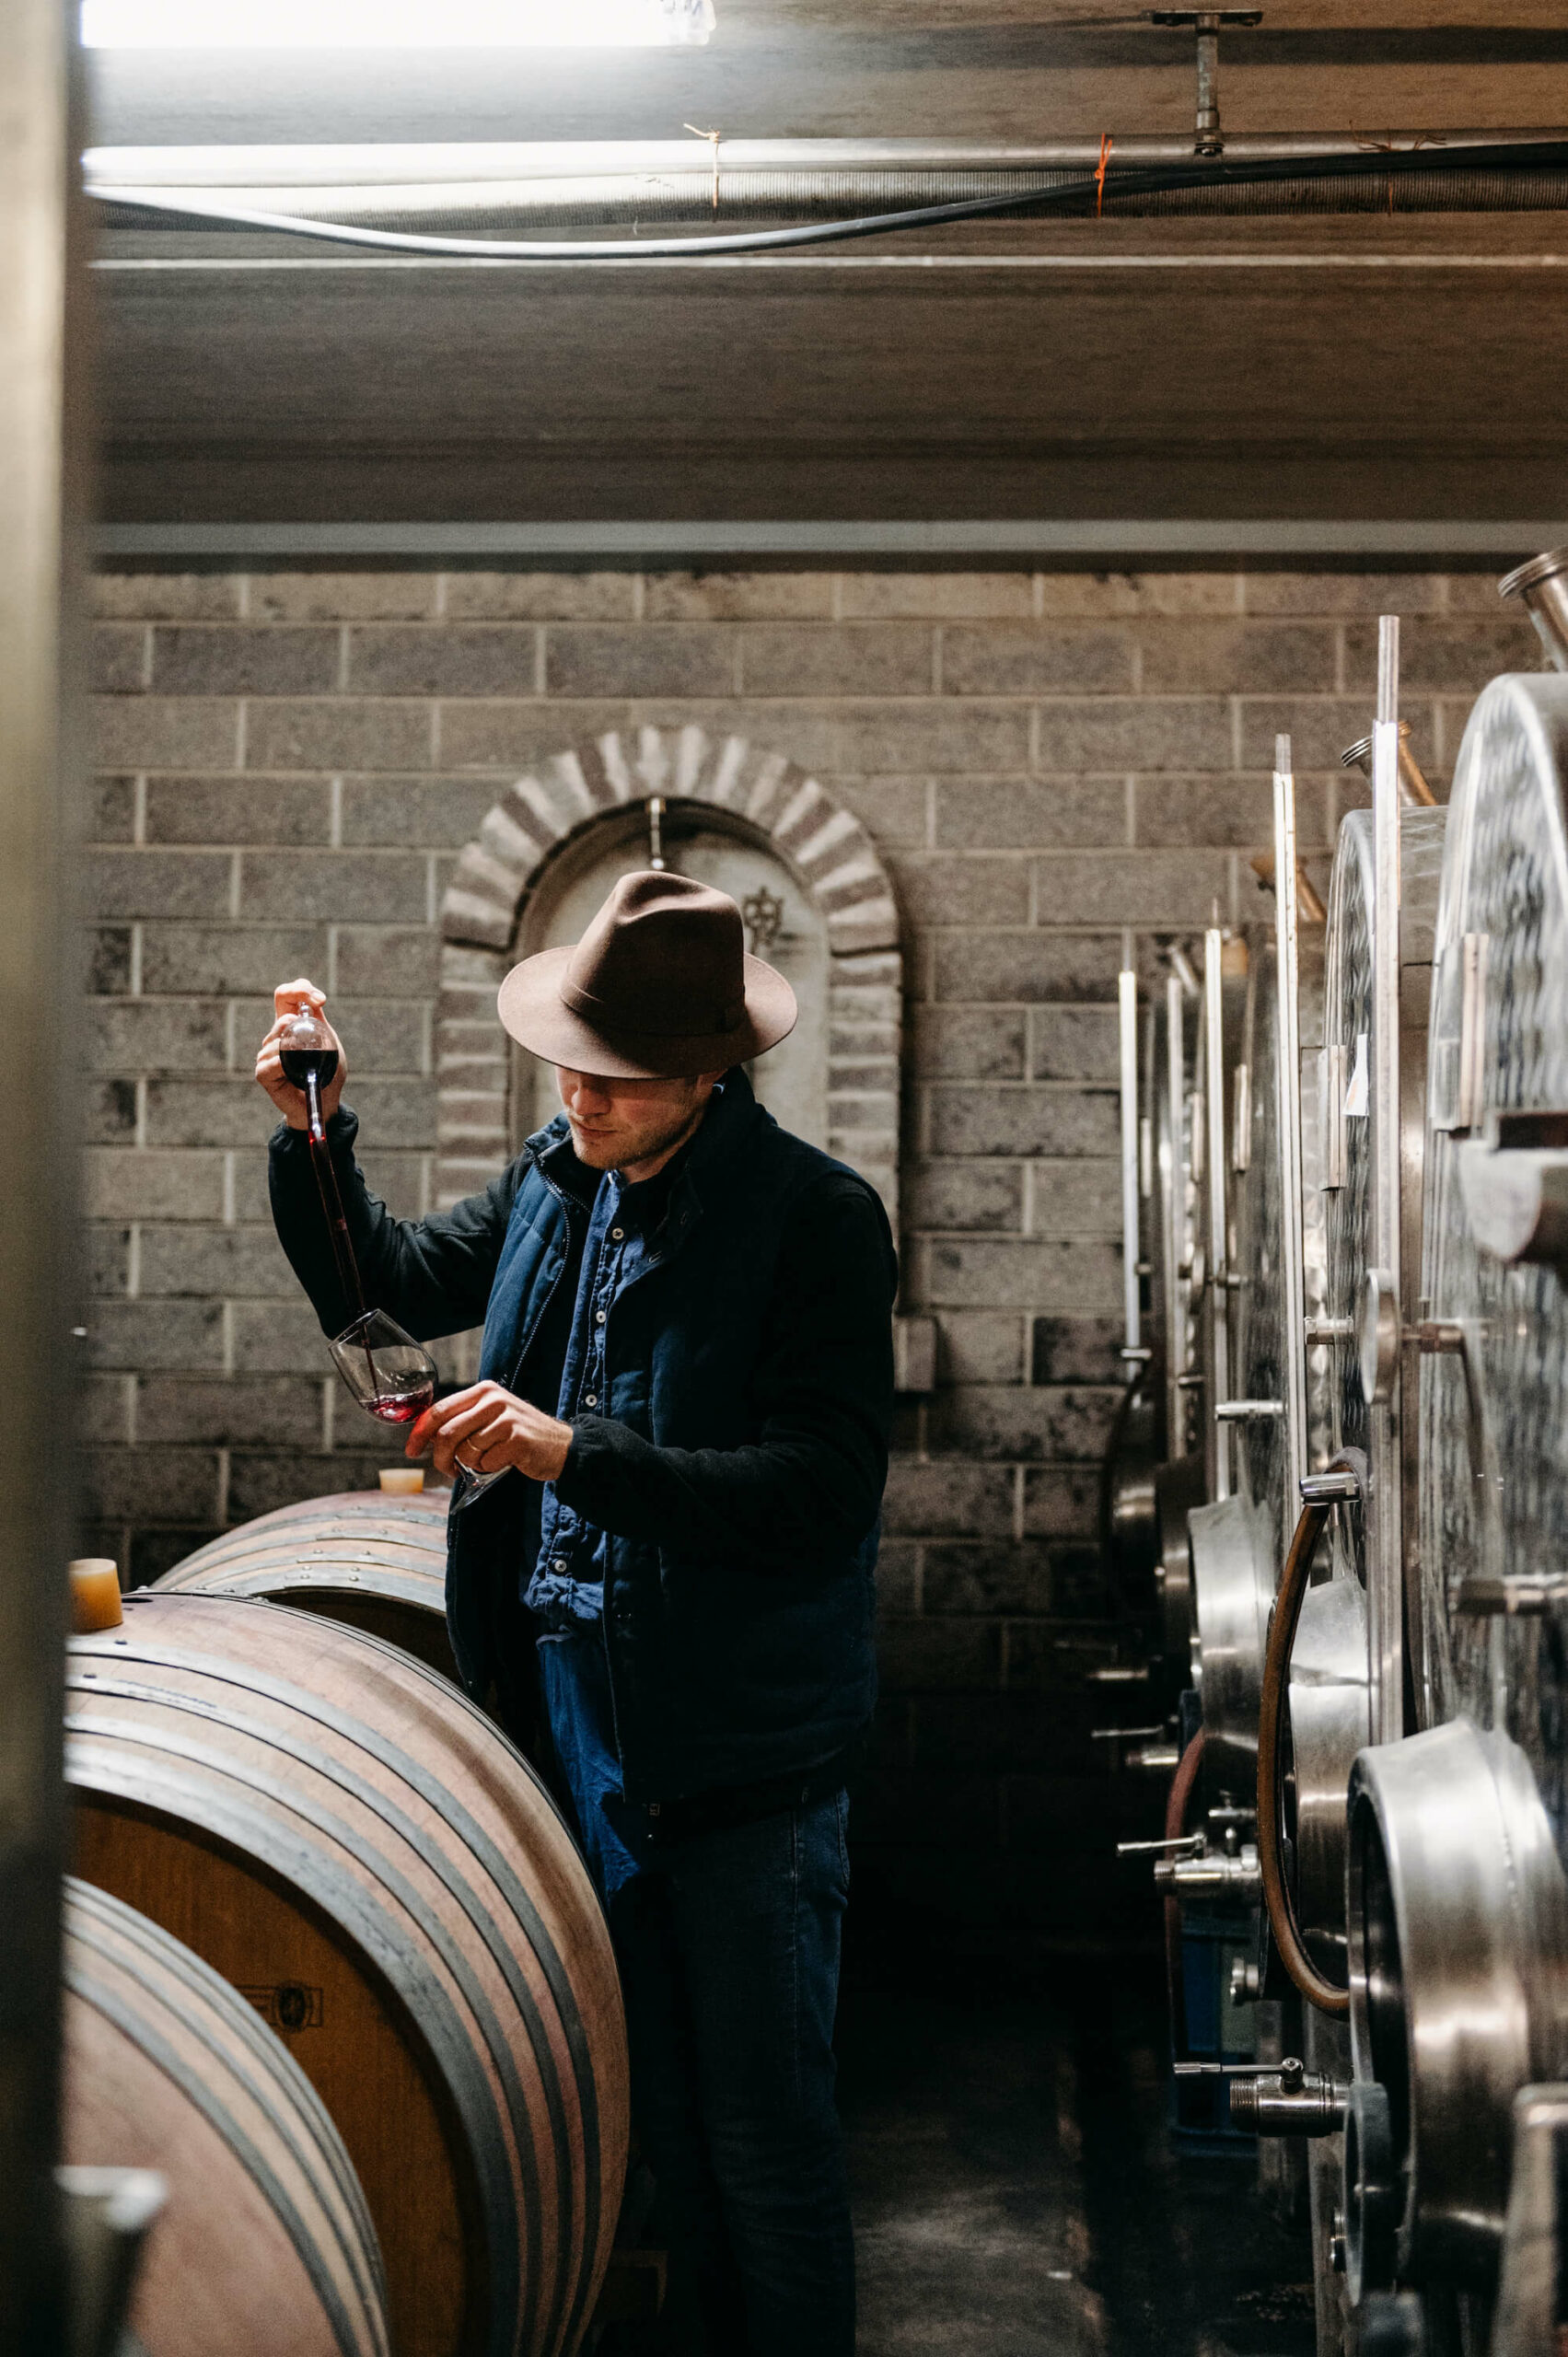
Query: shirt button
pixel 590 1400
pixel 617 1233
pixel 559 1563
pixel 598 1317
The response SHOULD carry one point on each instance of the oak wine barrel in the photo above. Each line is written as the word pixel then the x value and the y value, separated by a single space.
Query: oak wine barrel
pixel 367 1559
pixel 265 2246
pixel 349 1840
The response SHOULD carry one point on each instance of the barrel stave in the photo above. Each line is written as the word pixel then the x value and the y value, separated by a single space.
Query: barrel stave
pixel 369 1562
pixel 330 1815
pixel 265 2248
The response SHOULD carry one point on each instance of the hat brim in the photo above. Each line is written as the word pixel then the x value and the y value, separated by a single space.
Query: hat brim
pixel 533 1011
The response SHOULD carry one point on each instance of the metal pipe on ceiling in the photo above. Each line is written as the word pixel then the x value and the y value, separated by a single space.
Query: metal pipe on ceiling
pixel 432 164
pixel 1505 174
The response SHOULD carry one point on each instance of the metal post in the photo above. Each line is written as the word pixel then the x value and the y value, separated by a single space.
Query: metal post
pixel 1127 1008
pixel 39 385
pixel 1384 1524
pixel 1288 1081
pixel 1218 1451
pixel 1207 138
pixel 1175 1206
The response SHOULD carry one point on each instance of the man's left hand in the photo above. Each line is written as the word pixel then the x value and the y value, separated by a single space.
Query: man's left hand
pixel 484 1429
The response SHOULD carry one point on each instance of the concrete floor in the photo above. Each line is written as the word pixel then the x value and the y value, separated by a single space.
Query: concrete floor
pixel 1017 2194
pixel 966 2165
pixel 1015 2189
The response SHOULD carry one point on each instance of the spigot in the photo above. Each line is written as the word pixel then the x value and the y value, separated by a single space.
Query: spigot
pixel 1291 2101
pixel 1214 1873
pixel 1338 1487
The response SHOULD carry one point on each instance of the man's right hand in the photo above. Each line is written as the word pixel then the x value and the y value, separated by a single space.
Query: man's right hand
pixel 287 1000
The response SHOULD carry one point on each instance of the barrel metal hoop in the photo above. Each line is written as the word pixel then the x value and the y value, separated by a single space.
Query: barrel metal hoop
pixel 157 2050
pixel 349 1547
pixel 256 1832
pixel 444 1804
pixel 542 1945
pixel 106 1926
pixel 265 1581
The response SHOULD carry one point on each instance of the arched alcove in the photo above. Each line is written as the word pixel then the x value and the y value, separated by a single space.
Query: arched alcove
pixel 552 842
pixel 784 924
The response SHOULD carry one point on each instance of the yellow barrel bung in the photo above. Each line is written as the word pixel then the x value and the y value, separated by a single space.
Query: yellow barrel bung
pixel 94 1594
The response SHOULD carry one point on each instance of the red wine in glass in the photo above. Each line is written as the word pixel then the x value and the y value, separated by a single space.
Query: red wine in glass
pixel 390 1375
pixel 393 1378
pixel 401 1406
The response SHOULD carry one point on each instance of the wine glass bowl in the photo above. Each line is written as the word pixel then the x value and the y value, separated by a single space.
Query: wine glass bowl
pixel 390 1375
pixel 393 1377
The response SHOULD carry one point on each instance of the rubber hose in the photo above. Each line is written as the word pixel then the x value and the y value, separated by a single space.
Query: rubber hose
pixel 1271 1715
pixel 1175 1802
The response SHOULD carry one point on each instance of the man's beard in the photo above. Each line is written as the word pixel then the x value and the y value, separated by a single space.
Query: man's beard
pixel 609 1153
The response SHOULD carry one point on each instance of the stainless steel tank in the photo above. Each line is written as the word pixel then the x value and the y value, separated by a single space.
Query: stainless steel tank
pixel 1493 1519
pixel 1458 1906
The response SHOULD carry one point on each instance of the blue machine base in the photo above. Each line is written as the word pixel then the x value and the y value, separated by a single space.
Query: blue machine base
pixel 1216 2031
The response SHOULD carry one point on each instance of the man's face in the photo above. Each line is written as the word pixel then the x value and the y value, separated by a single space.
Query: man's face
pixel 621 1124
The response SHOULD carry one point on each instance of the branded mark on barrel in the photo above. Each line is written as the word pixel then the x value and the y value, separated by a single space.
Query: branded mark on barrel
pixel 288 2005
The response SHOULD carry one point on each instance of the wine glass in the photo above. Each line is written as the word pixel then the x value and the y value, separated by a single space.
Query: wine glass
pixel 393 1378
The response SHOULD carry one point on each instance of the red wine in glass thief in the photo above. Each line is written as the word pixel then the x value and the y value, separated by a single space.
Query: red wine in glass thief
pixel 308 1056
pixel 303 1065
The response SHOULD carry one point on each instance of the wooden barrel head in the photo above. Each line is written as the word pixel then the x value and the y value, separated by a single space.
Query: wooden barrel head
pixel 265 2246
pixel 371 1562
pixel 345 1838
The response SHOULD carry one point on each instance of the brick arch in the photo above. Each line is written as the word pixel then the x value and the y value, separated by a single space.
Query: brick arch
pixel 825 844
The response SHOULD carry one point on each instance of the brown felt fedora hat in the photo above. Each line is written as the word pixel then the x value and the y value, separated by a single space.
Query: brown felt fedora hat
pixel 661 987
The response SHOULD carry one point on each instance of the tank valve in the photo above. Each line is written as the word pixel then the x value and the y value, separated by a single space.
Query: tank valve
pixel 1217 1874
pixel 1291 2101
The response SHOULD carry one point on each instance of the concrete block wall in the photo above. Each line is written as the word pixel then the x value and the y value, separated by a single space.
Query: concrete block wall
pixel 289 766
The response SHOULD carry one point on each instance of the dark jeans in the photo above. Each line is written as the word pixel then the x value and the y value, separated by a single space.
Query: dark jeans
pixel 730 1956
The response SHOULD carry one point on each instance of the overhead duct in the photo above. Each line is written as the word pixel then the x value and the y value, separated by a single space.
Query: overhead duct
pixel 487 199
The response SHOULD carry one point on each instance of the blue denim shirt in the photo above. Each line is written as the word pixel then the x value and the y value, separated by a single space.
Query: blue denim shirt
pixel 566 1591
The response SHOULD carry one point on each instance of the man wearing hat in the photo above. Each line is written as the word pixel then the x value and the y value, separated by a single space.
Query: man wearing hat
pixel 687 1368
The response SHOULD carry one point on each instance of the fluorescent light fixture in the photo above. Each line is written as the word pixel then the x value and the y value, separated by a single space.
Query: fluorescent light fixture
pixel 395 24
